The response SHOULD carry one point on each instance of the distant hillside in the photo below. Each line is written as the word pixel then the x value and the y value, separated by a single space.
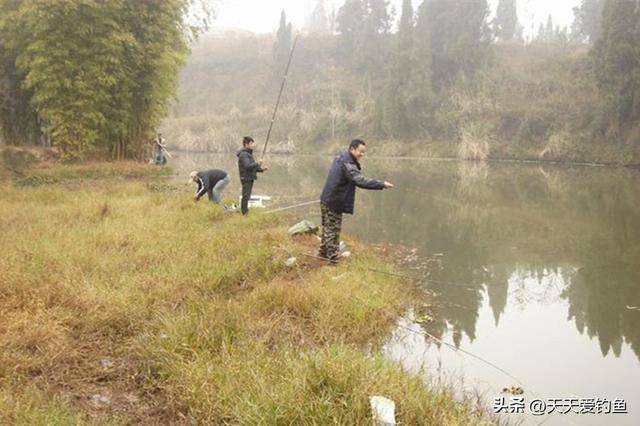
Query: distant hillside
pixel 537 101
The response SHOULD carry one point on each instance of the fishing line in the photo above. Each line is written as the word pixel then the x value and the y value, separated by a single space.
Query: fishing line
pixel 409 277
pixel 456 349
pixel 428 335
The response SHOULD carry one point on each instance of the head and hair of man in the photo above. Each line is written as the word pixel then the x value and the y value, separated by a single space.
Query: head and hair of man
pixel 193 176
pixel 358 148
pixel 248 142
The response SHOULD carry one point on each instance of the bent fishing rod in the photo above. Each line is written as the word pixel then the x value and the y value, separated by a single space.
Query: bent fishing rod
pixel 284 82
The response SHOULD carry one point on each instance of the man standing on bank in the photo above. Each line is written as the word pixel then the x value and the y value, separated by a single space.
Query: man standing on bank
pixel 339 195
pixel 160 149
pixel 249 169
pixel 211 182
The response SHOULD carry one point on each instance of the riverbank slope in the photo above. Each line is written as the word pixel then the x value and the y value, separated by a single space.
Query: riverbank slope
pixel 124 302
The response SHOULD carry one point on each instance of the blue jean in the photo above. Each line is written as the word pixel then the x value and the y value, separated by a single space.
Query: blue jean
pixel 216 193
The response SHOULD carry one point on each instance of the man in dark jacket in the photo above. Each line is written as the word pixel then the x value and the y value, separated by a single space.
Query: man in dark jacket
pixel 211 182
pixel 249 169
pixel 339 195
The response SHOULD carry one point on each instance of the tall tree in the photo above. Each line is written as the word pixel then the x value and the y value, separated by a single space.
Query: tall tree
pixel 422 46
pixel 363 25
pixel 18 119
pixel 505 23
pixel 349 23
pixel 587 22
pixel 394 120
pixel 82 45
pixel 460 37
pixel 283 45
pixel 549 31
pixel 406 40
pixel 617 60
pixel 162 32
pixel 377 25
pixel 98 75
pixel 318 22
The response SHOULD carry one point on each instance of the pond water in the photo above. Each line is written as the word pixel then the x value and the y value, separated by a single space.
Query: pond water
pixel 541 264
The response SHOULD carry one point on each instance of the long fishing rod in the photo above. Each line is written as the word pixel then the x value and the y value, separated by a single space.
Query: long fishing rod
pixel 293 207
pixel 284 82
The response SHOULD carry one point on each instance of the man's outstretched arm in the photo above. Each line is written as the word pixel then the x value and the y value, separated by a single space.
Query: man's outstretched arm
pixel 355 175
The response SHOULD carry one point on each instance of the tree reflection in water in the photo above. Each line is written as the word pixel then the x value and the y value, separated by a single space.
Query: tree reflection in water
pixel 525 235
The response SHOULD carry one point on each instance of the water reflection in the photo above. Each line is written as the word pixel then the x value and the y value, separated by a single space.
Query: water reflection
pixel 552 250
pixel 576 233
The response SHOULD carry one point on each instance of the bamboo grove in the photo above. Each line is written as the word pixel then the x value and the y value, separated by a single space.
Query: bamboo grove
pixel 93 77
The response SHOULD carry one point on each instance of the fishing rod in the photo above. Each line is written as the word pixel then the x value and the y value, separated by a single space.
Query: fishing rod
pixel 293 207
pixel 284 82
pixel 167 152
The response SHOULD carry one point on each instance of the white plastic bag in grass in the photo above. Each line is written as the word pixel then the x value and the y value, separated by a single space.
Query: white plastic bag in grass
pixel 384 411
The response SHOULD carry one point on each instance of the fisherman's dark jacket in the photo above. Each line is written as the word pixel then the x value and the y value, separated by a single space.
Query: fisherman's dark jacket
pixel 247 165
pixel 207 180
pixel 345 175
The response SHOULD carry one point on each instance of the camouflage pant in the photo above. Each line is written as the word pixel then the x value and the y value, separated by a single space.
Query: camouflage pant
pixel 331 227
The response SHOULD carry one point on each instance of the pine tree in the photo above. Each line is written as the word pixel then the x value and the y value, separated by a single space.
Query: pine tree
pixel 506 21
pixel 549 32
pixel 283 45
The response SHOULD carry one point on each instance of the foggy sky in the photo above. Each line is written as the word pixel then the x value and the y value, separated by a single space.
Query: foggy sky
pixel 263 16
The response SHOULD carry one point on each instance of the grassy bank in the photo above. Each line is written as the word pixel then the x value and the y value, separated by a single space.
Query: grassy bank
pixel 124 302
